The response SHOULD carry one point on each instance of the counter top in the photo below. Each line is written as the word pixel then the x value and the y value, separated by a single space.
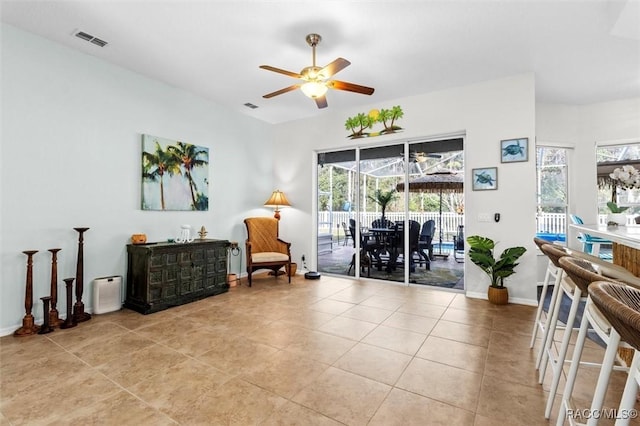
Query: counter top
pixel 626 235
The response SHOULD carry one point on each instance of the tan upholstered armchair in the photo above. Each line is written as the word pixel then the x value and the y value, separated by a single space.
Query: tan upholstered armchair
pixel 264 249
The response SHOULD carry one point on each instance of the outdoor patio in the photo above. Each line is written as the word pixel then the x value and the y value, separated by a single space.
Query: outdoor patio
pixel 443 273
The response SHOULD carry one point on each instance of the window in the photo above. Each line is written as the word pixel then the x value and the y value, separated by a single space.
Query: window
pixel 552 193
pixel 609 158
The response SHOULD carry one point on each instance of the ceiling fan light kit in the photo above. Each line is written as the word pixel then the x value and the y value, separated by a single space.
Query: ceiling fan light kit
pixel 316 80
pixel 314 89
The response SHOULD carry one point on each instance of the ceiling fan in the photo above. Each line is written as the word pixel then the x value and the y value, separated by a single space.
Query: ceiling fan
pixel 315 80
pixel 421 157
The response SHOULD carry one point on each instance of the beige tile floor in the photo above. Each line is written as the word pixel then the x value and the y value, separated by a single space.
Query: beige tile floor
pixel 327 352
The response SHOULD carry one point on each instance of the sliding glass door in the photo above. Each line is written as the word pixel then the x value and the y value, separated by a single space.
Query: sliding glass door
pixel 336 193
pixel 372 225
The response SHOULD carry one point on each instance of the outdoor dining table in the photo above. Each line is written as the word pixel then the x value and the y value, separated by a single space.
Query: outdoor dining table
pixel 387 240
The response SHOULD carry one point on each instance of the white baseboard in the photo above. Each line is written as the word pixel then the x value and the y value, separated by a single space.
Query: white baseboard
pixel 514 300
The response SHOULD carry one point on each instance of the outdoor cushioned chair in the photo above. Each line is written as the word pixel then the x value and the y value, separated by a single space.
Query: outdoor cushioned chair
pixel 425 243
pixel 590 243
pixel 414 236
pixel 458 245
pixel 264 249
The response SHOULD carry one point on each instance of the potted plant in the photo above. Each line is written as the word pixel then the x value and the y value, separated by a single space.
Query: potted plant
pixel 481 253
pixel 617 214
pixel 383 198
pixel 625 177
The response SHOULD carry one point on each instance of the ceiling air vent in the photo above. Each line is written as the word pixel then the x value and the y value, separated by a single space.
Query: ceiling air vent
pixel 250 105
pixel 91 39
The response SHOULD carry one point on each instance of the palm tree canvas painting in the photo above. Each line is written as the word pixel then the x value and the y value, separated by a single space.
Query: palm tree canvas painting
pixel 175 175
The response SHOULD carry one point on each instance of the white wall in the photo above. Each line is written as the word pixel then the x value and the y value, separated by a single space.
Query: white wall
pixel 70 156
pixel 583 127
pixel 71 149
pixel 487 113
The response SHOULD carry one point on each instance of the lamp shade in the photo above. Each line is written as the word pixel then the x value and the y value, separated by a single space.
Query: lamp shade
pixel 314 89
pixel 277 199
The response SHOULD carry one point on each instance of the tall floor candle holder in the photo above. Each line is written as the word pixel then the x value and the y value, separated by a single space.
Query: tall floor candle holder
pixel 54 317
pixel 28 325
pixel 46 327
pixel 69 321
pixel 79 315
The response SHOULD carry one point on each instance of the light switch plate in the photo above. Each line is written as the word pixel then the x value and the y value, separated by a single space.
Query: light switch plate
pixel 485 217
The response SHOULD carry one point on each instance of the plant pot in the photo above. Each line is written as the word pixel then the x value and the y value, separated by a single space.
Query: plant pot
pixel 294 268
pixel 498 295
pixel 232 280
pixel 619 218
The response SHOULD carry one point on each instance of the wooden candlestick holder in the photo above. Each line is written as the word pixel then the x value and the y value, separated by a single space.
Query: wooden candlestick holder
pixel 69 321
pixel 28 325
pixel 46 327
pixel 79 315
pixel 54 317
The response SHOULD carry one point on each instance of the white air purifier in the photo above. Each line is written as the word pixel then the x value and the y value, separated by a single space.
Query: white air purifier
pixel 107 294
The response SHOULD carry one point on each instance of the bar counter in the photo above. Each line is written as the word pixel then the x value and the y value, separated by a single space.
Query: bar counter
pixel 626 243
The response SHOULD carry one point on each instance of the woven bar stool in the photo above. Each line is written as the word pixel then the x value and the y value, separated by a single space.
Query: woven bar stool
pixel 576 294
pixel 549 275
pixel 599 261
pixel 621 306
pixel 554 253
pixel 583 274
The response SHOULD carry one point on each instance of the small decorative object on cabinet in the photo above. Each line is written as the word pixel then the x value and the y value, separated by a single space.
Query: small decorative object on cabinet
pixel 203 232
pixel 161 275
pixel 139 238
pixel 185 235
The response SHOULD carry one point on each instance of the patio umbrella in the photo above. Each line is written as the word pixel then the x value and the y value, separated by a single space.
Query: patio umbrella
pixel 436 182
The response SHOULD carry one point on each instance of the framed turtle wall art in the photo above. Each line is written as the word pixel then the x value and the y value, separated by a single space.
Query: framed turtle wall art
pixel 484 179
pixel 514 150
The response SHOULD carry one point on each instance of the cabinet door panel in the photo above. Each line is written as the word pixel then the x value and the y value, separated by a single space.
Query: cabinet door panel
pixel 161 275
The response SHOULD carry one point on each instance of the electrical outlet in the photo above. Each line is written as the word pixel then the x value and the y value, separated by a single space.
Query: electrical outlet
pixel 303 258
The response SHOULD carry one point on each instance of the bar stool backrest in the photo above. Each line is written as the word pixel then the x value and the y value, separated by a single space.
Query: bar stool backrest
pixel 554 253
pixel 540 242
pixel 581 272
pixel 596 260
pixel 620 305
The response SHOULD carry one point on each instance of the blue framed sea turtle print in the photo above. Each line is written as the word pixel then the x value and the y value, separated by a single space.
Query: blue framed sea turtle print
pixel 514 150
pixel 484 179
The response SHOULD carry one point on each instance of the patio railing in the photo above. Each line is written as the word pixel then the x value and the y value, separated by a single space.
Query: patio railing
pixel 547 223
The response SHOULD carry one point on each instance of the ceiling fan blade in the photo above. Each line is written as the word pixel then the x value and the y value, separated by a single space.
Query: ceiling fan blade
pixel 281 71
pixel 350 87
pixel 281 91
pixel 321 102
pixel 334 67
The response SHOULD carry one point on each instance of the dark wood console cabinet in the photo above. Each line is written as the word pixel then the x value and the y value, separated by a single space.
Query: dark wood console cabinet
pixel 161 275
